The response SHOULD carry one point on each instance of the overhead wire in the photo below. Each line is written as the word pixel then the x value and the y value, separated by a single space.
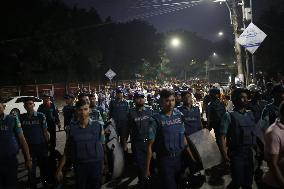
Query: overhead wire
pixel 160 9
pixel 164 8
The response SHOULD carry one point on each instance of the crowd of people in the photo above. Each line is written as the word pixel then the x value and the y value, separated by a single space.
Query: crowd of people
pixel 157 119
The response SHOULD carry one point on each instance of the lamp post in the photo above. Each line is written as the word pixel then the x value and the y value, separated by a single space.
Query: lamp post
pixel 232 7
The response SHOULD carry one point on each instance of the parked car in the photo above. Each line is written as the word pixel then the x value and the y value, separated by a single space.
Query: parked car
pixel 15 105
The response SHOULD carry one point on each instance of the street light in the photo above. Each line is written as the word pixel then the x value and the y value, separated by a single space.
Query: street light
pixel 220 34
pixel 175 42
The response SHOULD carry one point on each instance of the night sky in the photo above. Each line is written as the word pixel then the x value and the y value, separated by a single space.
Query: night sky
pixel 205 18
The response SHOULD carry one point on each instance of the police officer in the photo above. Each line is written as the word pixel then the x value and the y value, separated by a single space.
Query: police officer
pixel 151 102
pixel 52 118
pixel 191 113
pixel 94 112
pixel 166 136
pixel 68 111
pixel 118 110
pixel 271 111
pixel 10 131
pixel 255 104
pixel 85 147
pixel 138 125
pixel 216 110
pixel 178 98
pixel 103 106
pixel 238 128
pixel 35 130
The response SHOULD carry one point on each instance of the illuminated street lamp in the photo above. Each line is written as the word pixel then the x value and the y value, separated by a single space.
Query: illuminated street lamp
pixel 175 42
pixel 220 34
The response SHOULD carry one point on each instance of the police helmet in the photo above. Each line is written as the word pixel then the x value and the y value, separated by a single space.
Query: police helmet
pixel 139 94
pixel 68 96
pixel 177 92
pixel 253 88
pixel 119 90
pixel 82 94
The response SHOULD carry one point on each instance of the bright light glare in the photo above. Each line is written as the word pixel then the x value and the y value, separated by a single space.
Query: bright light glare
pixel 175 42
pixel 220 33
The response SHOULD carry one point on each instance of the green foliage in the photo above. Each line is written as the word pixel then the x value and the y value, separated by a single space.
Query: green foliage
pixel 45 40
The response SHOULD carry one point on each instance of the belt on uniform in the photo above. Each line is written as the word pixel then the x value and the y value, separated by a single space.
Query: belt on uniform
pixel 171 155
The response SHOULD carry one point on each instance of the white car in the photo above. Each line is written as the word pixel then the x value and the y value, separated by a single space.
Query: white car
pixel 15 105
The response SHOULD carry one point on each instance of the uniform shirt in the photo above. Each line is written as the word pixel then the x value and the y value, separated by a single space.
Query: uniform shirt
pixel 216 110
pixel 226 121
pixel 95 114
pixel 68 113
pixel 138 119
pixel 9 128
pixel 153 125
pixel 16 127
pixel 50 113
pixel 257 108
pixel 191 114
pixel 118 110
pixel 74 123
pixel 274 144
pixel 30 121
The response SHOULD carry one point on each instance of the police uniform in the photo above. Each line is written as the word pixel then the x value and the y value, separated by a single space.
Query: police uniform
pixel 33 126
pixel 9 128
pixel 68 112
pixel 96 115
pixel 191 118
pixel 216 110
pixel 168 135
pixel 239 129
pixel 118 111
pixel 52 118
pixel 102 102
pixel 256 107
pixel 139 123
pixel 85 147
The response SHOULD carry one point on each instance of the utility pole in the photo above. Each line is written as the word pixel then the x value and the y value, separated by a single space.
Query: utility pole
pixel 252 56
pixel 246 52
pixel 233 10
pixel 232 6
